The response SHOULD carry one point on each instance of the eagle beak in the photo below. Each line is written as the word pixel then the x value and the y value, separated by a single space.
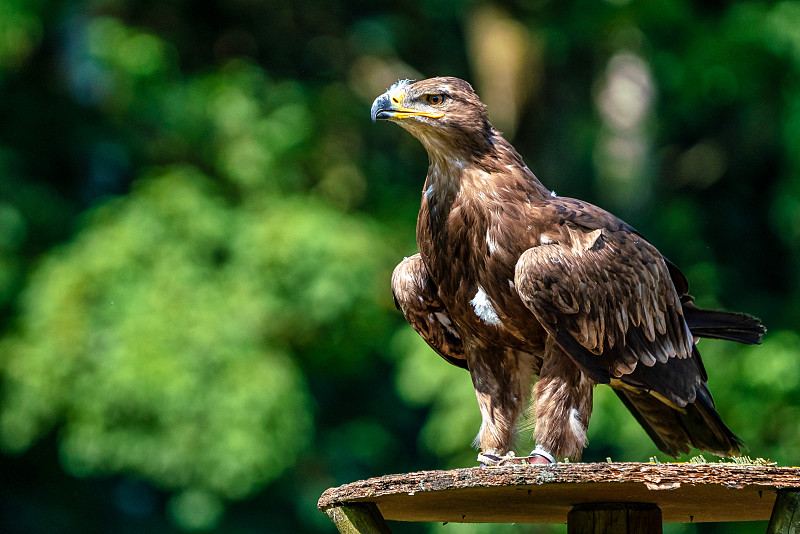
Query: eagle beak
pixel 381 107
pixel 389 106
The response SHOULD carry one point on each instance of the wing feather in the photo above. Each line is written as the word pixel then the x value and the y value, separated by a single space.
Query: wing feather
pixel 608 298
pixel 416 295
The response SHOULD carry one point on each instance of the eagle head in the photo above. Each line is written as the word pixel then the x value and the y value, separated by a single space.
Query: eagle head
pixel 444 113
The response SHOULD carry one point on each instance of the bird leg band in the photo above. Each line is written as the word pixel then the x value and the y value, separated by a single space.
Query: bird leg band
pixel 541 453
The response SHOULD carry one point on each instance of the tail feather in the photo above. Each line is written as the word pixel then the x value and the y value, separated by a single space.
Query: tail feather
pixel 697 425
pixel 714 324
pixel 676 431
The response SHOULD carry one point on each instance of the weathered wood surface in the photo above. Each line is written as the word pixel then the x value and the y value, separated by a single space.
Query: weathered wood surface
pixel 545 494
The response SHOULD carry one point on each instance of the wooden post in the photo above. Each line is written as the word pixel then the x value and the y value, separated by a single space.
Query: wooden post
pixel 614 518
pixel 358 518
pixel 785 517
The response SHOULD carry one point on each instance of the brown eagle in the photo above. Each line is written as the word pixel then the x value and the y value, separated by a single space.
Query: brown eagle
pixel 513 282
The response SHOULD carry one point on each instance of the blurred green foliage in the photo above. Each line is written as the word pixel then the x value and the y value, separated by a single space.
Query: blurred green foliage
pixel 198 223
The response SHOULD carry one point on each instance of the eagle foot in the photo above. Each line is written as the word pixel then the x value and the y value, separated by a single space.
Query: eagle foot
pixel 488 459
pixel 540 456
pixel 536 457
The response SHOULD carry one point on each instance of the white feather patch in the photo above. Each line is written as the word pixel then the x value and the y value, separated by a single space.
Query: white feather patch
pixel 484 309
pixel 491 243
pixel 448 325
pixel 575 424
pixel 444 319
pixel 477 441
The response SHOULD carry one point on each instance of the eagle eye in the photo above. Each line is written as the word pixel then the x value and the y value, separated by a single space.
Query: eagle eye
pixel 434 99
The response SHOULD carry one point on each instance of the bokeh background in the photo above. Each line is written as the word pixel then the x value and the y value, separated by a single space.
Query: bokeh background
pixel 198 223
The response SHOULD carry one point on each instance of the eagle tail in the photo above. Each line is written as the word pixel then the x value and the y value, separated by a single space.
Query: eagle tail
pixel 675 431
pixel 714 324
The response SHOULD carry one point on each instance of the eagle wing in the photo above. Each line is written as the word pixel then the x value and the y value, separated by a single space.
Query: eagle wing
pixel 417 296
pixel 608 298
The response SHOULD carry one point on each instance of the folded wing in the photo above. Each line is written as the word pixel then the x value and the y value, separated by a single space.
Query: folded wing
pixel 607 298
pixel 610 300
pixel 417 296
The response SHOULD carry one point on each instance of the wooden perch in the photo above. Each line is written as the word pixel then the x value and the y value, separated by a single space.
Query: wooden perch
pixel 682 493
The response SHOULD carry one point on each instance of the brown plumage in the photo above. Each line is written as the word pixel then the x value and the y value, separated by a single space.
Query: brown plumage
pixel 512 282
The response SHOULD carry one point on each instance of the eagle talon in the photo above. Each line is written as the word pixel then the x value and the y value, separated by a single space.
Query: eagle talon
pixel 489 460
pixel 540 456
pixel 538 459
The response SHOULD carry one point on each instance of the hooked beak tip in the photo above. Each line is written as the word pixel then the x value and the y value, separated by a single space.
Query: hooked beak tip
pixel 381 104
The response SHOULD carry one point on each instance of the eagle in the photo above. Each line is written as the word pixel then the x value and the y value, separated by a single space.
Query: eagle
pixel 542 297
